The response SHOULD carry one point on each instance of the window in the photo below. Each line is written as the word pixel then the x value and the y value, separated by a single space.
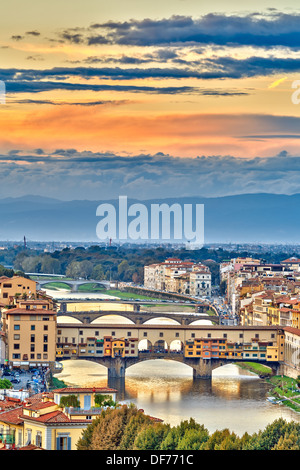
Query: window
pixel 16 327
pixel 32 338
pixel 45 349
pixel 38 439
pixel 16 337
pixel 32 327
pixel 45 327
pixel 63 443
pixel 145 333
pixel 161 335
pixel 16 346
pixel 128 333
pixel 45 338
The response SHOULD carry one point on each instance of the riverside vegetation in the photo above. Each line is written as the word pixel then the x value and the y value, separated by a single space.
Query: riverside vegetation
pixel 127 428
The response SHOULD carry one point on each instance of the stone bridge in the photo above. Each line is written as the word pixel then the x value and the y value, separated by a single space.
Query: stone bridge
pixel 74 284
pixel 202 368
pixel 138 317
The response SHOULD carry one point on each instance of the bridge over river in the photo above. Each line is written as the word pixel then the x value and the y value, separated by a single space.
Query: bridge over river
pixel 139 317
pixel 80 342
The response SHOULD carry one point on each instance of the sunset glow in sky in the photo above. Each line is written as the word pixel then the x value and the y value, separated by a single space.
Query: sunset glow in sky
pixel 173 98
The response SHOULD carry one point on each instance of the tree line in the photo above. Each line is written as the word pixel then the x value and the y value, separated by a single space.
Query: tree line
pixel 121 263
pixel 127 428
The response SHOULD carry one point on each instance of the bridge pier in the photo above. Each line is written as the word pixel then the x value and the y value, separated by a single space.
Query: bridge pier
pixel 202 368
pixel 116 368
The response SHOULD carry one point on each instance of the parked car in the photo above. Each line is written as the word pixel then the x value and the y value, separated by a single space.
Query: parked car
pixel 15 381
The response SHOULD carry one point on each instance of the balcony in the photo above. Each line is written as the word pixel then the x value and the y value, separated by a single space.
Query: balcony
pixel 82 412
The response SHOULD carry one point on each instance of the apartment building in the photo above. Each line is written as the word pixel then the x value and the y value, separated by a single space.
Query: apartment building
pixel 264 349
pixel 175 275
pixel 30 336
pixel 16 287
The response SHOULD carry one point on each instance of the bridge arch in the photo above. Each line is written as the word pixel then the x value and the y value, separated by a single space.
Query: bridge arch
pixel 68 319
pixel 161 321
pixel 201 322
pixel 44 284
pixel 120 319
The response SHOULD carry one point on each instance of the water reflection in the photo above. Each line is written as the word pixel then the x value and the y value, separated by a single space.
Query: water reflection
pixel 233 398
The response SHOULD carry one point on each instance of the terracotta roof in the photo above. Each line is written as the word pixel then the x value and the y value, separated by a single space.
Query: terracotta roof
pixel 40 405
pixel 289 329
pixel 29 312
pixel 56 416
pixel 12 416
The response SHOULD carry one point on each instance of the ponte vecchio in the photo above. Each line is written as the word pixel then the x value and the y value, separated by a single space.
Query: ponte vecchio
pixel 202 347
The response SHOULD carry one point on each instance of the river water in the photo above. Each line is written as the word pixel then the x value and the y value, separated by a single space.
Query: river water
pixel 233 398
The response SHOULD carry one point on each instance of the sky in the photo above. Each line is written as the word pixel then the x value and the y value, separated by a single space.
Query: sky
pixel 167 99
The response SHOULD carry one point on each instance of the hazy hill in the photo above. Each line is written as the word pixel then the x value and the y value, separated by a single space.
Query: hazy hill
pixel 266 218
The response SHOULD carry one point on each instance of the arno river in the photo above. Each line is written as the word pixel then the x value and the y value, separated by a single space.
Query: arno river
pixel 233 398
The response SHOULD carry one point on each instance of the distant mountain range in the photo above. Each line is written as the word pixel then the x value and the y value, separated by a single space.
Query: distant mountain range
pixel 246 218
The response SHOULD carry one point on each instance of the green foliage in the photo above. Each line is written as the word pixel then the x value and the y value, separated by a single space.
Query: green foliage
pixel 70 400
pixel 5 383
pixel 104 400
pixel 110 258
pixel 128 428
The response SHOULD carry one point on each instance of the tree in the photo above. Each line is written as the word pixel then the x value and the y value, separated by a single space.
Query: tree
pixel 5 383
pixel 107 431
pixel 290 441
pixel 151 437
pixel 98 272
pixel 192 439
pixel 73 270
pixel 50 265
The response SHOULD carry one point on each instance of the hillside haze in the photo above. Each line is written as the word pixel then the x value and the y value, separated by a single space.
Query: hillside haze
pixel 247 218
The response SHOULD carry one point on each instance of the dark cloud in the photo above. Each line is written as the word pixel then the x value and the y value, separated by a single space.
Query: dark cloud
pixel 103 175
pixel 17 37
pixel 203 69
pixel 271 29
pixel 13 87
pixel 70 103
pixel 33 33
